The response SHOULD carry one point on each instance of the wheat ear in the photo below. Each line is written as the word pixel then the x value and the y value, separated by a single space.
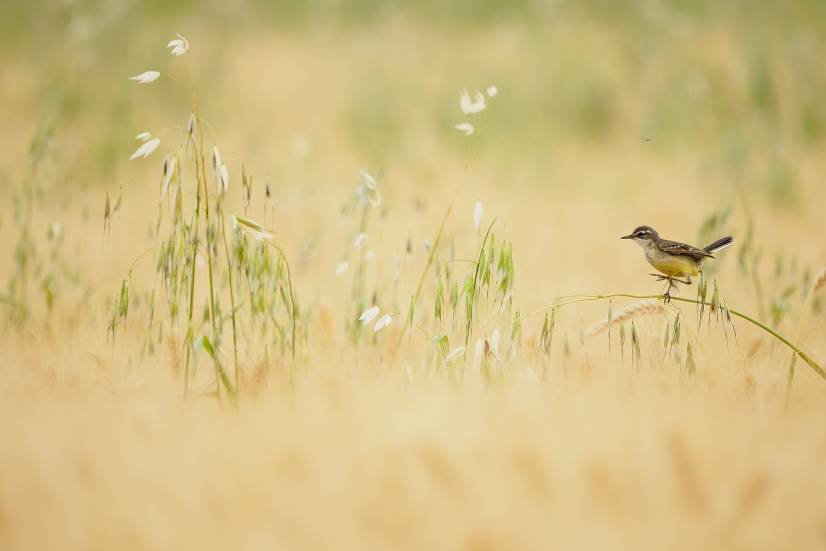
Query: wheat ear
pixel 633 310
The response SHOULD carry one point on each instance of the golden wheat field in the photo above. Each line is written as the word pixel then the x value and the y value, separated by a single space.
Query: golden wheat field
pixel 360 284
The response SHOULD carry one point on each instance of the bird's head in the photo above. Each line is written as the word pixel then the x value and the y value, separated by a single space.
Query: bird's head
pixel 644 235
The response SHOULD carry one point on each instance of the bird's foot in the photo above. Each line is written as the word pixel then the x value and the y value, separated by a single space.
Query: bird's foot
pixel 661 277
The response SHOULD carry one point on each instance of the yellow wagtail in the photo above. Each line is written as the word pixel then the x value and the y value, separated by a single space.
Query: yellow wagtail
pixel 674 259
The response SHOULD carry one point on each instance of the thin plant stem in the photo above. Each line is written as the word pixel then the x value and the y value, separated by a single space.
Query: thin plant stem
pixel 187 361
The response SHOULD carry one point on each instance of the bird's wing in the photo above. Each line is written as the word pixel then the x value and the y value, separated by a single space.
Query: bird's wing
pixel 675 247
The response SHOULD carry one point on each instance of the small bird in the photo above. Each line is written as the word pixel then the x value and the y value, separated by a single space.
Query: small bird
pixel 672 258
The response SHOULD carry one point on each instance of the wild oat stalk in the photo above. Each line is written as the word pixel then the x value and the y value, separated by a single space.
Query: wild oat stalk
pixel 268 277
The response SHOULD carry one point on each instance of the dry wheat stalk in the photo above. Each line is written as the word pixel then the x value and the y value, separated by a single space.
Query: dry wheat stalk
pixel 633 310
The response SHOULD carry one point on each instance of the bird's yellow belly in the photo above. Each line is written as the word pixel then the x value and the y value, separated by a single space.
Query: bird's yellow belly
pixel 675 266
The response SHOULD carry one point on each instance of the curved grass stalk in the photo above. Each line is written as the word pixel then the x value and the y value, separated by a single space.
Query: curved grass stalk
pixel 794 348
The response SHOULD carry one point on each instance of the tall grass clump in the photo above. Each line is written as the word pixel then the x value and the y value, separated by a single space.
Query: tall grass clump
pixel 219 276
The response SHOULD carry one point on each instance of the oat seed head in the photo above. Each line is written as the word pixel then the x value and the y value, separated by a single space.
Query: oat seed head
pixel 146 77
pixel 471 106
pixel 466 128
pixel 216 158
pixel 360 241
pixel 224 179
pixel 455 353
pixel 383 322
pixel 146 149
pixel 179 45
pixel 368 315
pixel 169 165
pixel 478 212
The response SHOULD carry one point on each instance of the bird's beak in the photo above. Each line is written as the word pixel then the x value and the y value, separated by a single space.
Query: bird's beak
pixel 626 237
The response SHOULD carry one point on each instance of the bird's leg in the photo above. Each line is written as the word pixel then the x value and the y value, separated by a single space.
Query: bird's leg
pixel 672 282
pixel 661 277
pixel 667 295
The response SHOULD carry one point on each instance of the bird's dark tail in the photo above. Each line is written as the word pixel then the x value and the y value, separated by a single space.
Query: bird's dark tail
pixel 719 245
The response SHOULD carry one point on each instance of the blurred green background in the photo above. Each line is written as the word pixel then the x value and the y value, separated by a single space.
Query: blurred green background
pixel 735 77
